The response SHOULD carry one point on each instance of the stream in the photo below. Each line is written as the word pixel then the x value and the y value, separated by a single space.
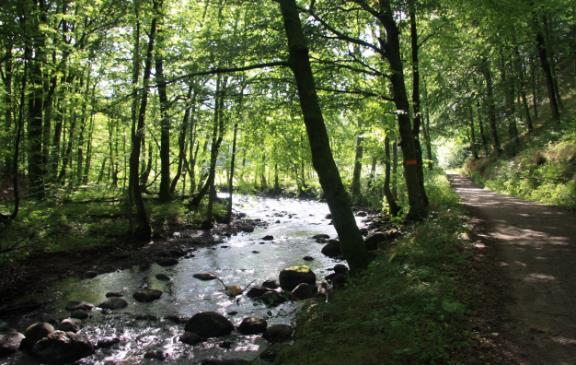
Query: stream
pixel 241 259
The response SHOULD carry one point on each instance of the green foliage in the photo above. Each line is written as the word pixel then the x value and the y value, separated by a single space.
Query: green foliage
pixel 543 170
pixel 410 307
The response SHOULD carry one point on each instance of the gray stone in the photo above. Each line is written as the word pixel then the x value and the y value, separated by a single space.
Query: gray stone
pixel 278 333
pixel 292 276
pixel 147 295
pixel 113 303
pixel 252 326
pixel 209 324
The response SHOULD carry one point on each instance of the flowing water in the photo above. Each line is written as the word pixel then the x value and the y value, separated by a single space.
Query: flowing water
pixel 240 260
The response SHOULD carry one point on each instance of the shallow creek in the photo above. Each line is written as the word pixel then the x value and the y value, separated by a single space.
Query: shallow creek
pixel 240 260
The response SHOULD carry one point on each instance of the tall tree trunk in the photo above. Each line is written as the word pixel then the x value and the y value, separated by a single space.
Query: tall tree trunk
pixel 417 198
pixel 338 200
pixel 472 133
pixel 520 69
pixel 416 96
pixel 165 194
pixel 547 69
pixel 427 137
pixel 8 76
pixel 485 69
pixel 390 199
pixel 142 230
pixel 35 104
pixel 217 137
pixel 481 128
pixel 357 173
pixel 190 110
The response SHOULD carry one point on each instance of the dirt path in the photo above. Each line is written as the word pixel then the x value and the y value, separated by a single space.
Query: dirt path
pixel 535 246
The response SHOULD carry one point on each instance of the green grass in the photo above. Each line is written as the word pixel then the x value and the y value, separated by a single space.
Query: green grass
pixel 409 307
pixel 543 169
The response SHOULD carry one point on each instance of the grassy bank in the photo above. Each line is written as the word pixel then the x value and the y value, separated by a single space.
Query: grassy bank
pixel 73 226
pixel 542 168
pixel 410 307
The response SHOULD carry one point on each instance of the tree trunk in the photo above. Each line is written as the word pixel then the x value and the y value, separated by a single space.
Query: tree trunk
pixel 390 199
pixel 338 200
pixel 547 69
pixel 485 69
pixel 472 134
pixel 481 127
pixel 358 154
pixel 35 104
pixel 142 230
pixel 416 96
pixel 190 110
pixel 165 193
pixel 417 198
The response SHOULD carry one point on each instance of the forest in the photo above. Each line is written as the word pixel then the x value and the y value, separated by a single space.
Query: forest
pixel 168 158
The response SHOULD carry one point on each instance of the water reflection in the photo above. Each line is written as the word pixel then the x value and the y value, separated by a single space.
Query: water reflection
pixel 244 259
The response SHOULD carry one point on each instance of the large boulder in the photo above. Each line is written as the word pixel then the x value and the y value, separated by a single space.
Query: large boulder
pixel 209 324
pixel 9 342
pixel 190 338
pixel 292 276
pixel 252 326
pixel 278 333
pixel 147 295
pixel 113 303
pixel 304 291
pixel 62 348
pixel 332 249
pixel 35 333
pixel 374 240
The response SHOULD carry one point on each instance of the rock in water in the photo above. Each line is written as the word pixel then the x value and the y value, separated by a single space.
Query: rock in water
pixel 75 305
pixel 278 333
pixel 80 314
pixel 9 342
pixel 190 338
pixel 252 326
pixel 70 325
pixel 273 298
pixel 62 347
pixel 113 303
pixel 147 295
pixel 209 324
pixel 268 238
pixel 341 269
pixel 292 276
pixel 35 333
pixel 205 276
pixel 256 292
pixel 332 249
pixel 304 291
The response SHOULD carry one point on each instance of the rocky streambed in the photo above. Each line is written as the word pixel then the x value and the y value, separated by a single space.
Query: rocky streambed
pixel 221 304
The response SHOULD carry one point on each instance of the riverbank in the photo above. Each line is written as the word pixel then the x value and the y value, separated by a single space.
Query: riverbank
pixel 431 297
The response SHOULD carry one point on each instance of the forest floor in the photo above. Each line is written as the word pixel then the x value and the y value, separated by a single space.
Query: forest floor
pixel 533 252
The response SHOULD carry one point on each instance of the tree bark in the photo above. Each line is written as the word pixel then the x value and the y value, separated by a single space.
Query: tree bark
pixel 417 198
pixel 547 69
pixel 485 69
pixel 142 231
pixel 357 173
pixel 165 193
pixel 338 200
pixel 390 199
